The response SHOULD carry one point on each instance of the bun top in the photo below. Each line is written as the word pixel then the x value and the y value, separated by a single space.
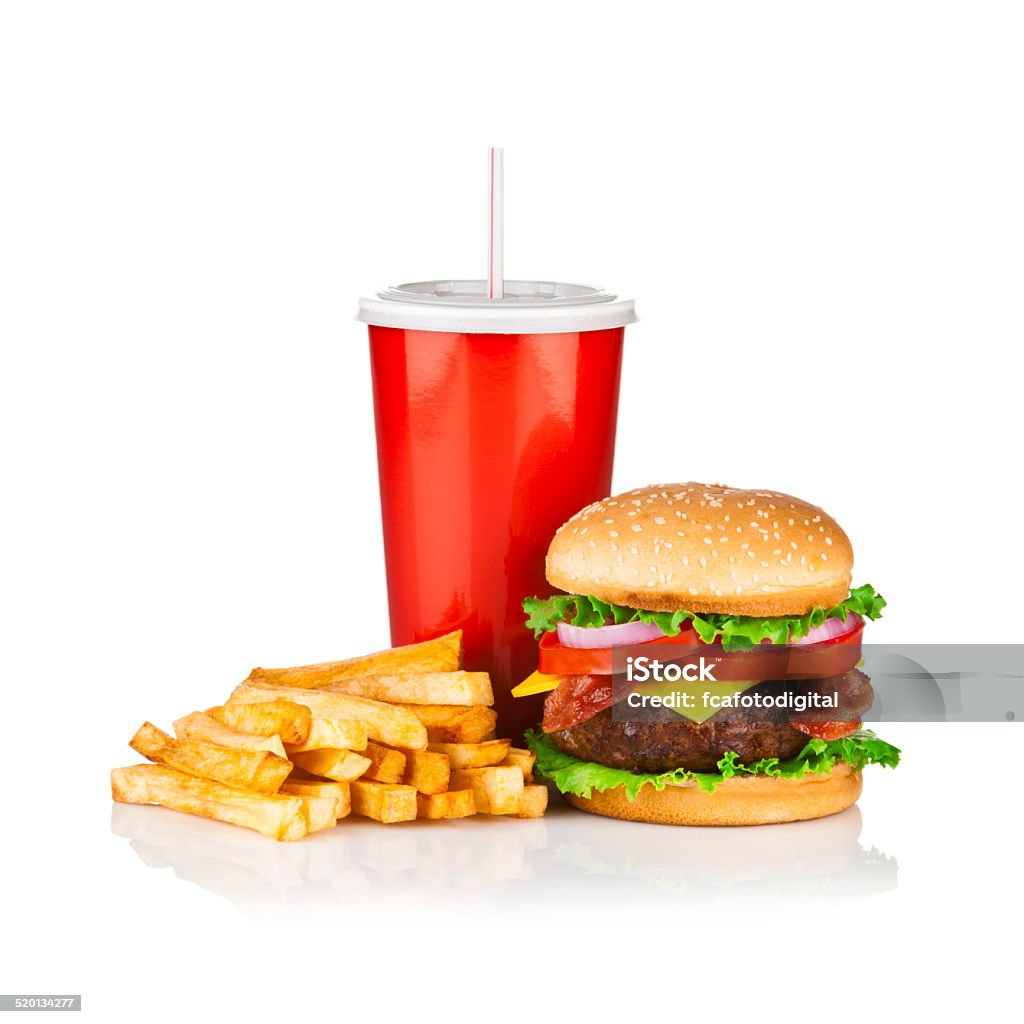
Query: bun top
pixel 705 548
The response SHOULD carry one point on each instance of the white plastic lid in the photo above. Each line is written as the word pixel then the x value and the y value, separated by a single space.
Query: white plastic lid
pixel 529 307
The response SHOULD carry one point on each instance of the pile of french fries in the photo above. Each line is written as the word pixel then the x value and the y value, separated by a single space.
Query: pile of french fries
pixel 393 736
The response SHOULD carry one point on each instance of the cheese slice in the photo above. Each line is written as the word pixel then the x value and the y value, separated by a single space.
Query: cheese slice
pixel 698 712
pixel 538 682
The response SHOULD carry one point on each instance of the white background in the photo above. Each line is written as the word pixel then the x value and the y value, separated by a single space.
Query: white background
pixel 818 208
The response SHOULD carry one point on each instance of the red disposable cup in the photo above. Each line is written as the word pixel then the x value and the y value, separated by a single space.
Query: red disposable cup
pixel 495 423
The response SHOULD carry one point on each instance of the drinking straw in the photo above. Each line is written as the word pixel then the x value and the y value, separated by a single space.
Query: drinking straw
pixel 496 224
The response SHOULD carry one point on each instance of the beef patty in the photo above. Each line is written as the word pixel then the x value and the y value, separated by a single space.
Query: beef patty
pixel 647 745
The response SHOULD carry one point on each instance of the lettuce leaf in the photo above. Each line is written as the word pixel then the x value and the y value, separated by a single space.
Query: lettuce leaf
pixel 734 632
pixel 571 775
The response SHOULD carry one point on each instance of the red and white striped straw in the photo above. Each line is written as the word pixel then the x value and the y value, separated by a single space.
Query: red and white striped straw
pixel 496 224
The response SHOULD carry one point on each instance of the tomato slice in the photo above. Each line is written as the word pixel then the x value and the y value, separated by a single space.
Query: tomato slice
pixel 826 658
pixel 555 659
pixel 826 730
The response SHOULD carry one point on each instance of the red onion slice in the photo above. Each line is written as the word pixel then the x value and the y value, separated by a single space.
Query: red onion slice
pixel 829 630
pixel 606 636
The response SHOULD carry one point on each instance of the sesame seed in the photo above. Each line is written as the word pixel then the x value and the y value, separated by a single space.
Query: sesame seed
pixel 765 588
pixel 828 540
pixel 703 561
pixel 693 591
pixel 613 533
pixel 686 559
pixel 592 544
pixel 633 551
pixel 637 528
pixel 764 565
pixel 615 547
pixel 679 533
pixel 660 520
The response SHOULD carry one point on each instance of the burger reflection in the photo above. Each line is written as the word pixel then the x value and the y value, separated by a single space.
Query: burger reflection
pixel 359 866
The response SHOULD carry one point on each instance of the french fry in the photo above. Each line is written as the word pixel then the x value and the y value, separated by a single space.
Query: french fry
pixel 453 723
pixel 281 718
pixel 462 688
pixel 339 733
pixel 524 758
pixel 339 792
pixel 387 765
pixel 427 771
pixel 321 812
pixel 382 802
pixel 444 654
pixel 453 804
pixel 340 765
pixel 256 770
pixel 533 803
pixel 473 755
pixel 198 726
pixel 497 790
pixel 280 817
pixel 386 723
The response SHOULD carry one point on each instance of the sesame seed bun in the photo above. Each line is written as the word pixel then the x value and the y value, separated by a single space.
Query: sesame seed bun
pixel 706 548
pixel 735 801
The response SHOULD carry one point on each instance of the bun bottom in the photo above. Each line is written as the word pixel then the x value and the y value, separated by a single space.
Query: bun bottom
pixel 736 801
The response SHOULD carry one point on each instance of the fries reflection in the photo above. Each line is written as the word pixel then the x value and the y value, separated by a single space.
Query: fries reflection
pixel 565 857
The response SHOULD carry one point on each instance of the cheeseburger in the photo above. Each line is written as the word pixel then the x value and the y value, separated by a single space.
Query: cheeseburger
pixel 752 586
